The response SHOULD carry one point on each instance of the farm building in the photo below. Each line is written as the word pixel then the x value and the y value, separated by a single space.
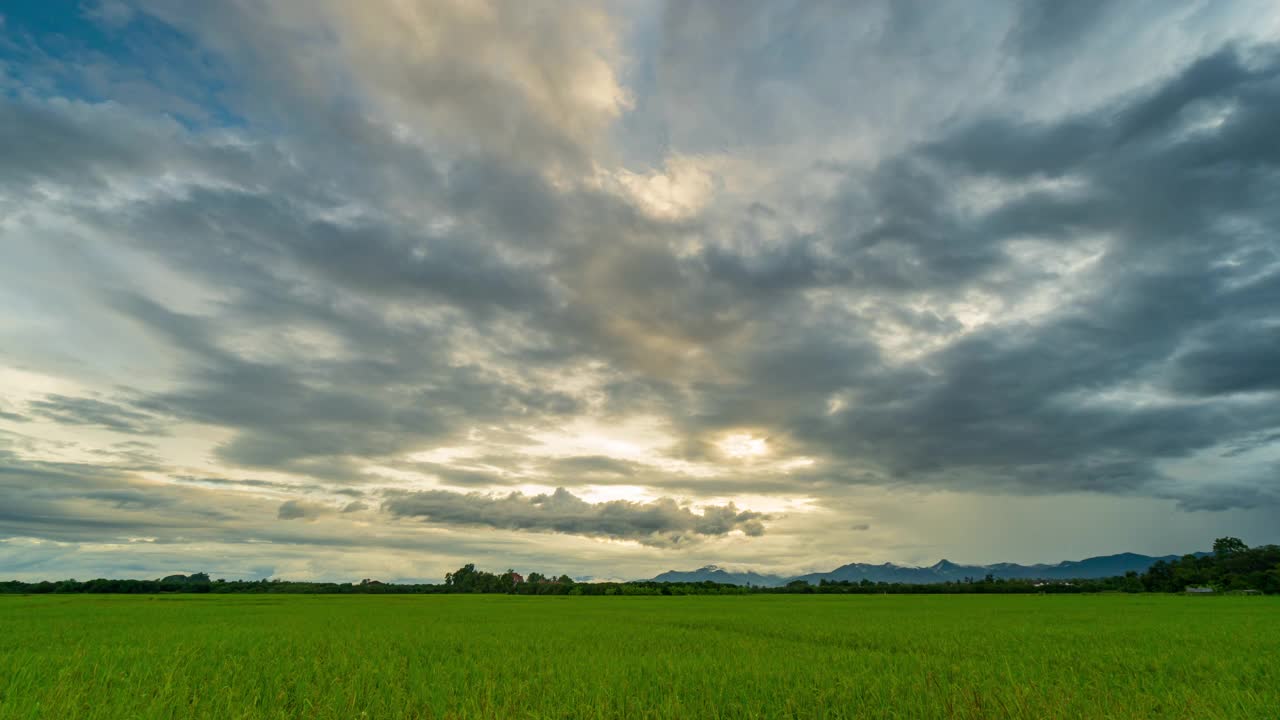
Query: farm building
pixel 1199 590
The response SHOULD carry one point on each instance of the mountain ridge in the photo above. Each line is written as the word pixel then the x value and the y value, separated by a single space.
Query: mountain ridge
pixel 942 571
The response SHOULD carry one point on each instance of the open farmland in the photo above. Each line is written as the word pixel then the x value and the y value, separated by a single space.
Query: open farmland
pixel 618 657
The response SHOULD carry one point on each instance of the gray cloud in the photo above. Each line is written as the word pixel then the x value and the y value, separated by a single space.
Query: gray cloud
pixel 71 502
pixel 1253 487
pixel 1023 404
pixel 91 411
pixel 298 510
pixel 595 467
pixel 662 522
pixel 1228 497
pixel 1231 359
pixel 322 247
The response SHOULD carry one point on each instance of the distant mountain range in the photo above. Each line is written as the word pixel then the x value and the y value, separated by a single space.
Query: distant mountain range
pixel 942 571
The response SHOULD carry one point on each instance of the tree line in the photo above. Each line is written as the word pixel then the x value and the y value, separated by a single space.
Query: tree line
pixel 1231 567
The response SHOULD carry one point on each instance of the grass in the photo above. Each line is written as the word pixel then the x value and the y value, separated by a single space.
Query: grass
pixel 247 656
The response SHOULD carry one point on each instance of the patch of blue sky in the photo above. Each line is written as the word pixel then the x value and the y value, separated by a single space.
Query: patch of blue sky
pixel 104 50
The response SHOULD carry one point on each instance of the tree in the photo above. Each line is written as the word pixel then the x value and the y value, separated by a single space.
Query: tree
pixel 463 579
pixel 1225 546
pixel 1159 578
pixel 507 581
pixel 1131 583
pixel 1232 566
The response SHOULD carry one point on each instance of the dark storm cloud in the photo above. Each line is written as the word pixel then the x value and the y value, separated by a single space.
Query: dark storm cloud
pixel 1255 487
pixel 1230 497
pixel 662 522
pixel 1186 288
pixel 1230 360
pixel 1012 400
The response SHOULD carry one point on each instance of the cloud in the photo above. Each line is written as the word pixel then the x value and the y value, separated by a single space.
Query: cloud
pixel 528 82
pixel 310 257
pixel 596 467
pixel 1256 486
pixel 662 522
pixel 299 510
pixel 1066 395
pixel 1232 358
pixel 71 501
pixel 91 411
pixel 1230 497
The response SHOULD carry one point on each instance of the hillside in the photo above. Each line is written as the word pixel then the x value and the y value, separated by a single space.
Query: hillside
pixel 942 571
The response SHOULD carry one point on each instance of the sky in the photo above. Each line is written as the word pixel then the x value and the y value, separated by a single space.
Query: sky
pixel 316 289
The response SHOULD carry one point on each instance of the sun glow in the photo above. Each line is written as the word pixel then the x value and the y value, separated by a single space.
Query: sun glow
pixel 742 446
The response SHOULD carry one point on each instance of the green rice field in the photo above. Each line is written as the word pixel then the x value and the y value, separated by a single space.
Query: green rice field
pixel 761 656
